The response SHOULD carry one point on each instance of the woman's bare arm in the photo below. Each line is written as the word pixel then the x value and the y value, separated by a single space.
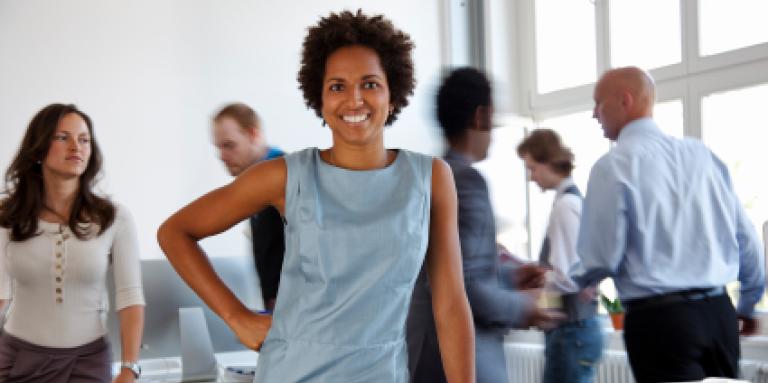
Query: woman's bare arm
pixel 260 186
pixel 453 318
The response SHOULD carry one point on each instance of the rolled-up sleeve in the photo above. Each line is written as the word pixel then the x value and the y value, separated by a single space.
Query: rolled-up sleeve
pixel 751 264
pixel 751 254
pixel 603 229
pixel 126 262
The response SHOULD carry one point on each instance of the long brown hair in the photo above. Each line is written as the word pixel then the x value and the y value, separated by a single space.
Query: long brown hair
pixel 25 189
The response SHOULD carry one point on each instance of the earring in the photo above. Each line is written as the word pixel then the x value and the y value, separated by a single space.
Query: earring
pixel 39 162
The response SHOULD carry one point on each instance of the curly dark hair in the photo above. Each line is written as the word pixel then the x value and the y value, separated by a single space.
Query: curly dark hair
pixel 461 93
pixel 25 191
pixel 343 29
pixel 546 147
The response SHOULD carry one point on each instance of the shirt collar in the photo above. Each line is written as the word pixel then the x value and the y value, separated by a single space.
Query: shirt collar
pixel 639 126
pixel 271 154
pixel 564 184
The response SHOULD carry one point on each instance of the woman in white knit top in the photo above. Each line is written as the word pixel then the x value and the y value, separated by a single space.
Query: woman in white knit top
pixel 57 241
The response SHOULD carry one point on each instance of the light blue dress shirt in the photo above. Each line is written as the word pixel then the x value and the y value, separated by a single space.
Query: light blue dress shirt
pixel 661 215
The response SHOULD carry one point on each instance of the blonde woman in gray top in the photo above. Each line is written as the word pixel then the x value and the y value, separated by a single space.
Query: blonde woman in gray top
pixel 57 241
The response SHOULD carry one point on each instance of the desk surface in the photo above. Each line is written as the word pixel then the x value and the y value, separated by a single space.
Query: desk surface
pixel 168 370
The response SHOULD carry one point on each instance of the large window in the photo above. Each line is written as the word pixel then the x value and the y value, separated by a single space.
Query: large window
pixel 717 99
pixel 732 24
pixel 503 171
pixel 669 116
pixel 734 125
pixel 709 59
pixel 658 44
pixel 565 34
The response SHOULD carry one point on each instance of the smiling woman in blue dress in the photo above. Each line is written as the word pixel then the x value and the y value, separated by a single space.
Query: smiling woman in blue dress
pixel 57 242
pixel 360 219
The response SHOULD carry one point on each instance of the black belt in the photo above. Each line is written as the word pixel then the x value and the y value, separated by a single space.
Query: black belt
pixel 674 297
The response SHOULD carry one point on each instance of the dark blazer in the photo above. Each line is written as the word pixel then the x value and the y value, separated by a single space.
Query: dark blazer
pixel 268 244
pixel 494 308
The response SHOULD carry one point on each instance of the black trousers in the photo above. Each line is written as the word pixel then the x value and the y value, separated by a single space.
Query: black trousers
pixel 683 341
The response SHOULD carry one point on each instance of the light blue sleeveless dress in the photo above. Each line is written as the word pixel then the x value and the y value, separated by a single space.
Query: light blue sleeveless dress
pixel 355 241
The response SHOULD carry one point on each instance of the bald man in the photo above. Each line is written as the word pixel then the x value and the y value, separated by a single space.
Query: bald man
pixel 662 219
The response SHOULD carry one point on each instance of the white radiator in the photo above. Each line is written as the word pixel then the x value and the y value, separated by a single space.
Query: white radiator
pixel 525 364
pixel 754 371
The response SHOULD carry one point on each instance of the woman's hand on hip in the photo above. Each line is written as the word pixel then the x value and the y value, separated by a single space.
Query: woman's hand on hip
pixel 251 329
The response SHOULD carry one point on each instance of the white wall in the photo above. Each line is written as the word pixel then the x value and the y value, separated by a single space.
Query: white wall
pixel 151 73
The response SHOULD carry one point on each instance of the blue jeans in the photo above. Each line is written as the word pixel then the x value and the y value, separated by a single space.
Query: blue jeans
pixel 573 351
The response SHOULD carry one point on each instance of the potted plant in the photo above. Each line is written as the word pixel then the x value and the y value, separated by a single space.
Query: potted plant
pixel 615 311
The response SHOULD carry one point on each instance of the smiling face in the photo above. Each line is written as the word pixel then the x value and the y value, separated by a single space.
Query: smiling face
pixel 356 99
pixel 70 148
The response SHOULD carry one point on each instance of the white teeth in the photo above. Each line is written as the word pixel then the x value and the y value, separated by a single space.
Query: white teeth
pixel 355 118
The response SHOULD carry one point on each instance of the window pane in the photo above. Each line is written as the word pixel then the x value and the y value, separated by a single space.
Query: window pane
pixel 565 44
pixel 635 42
pixel 669 116
pixel 583 135
pixel 732 24
pixel 733 125
pixel 505 175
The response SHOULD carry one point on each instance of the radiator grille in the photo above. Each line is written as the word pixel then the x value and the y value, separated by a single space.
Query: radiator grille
pixel 754 371
pixel 526 365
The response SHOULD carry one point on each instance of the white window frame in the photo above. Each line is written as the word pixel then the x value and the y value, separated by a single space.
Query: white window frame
pixel 690 80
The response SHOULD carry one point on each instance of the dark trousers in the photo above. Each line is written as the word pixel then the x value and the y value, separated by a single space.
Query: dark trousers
pixel 424 362
pixel 23 362
pixel 683 341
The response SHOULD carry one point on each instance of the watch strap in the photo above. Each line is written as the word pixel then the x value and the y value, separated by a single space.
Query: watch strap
pixel 133 367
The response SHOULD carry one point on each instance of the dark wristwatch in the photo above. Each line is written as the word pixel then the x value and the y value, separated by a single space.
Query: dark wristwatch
pixel 133 367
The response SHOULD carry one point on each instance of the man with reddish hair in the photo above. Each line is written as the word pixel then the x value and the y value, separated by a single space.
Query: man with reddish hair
pixel 240 140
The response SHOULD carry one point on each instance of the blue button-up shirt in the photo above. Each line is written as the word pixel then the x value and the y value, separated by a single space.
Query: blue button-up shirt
pixel 661 215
